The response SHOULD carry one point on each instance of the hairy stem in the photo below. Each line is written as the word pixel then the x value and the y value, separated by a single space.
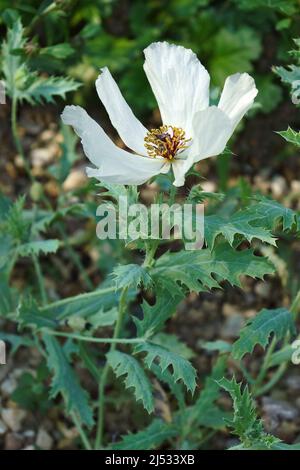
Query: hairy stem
pixel 40 279
pixel 104 375
pixel 91 339
pixel 84 438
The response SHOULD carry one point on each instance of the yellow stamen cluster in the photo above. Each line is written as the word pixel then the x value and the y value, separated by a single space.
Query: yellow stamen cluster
pixel 166 142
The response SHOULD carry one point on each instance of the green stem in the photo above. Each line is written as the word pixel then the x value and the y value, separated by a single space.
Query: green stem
pixel 84 438
pixel 75 258
pixel 40 279
pixel 275 378
pixel 86 295
pixel 16 138
pixel 150 249
pixel 91 339
pixel 265 364
pixel 295 307
pixel 104 375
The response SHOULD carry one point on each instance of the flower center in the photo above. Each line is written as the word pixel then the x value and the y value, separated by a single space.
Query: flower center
pixel 166 142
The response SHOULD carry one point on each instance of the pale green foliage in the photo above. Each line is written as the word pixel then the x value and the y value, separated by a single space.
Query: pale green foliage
pixel 182 369
pixel 195 269
pixel 131 275
pixel 238 224
pixel 65 382
pixel 156 315
pixel 245 422
pixel 37 247
pixel 291 136
pixel 258 330
pixel 291 74
pixel 22 84
pixel 271 213
pixel 123 364
pixel 149 438
pixel 204 411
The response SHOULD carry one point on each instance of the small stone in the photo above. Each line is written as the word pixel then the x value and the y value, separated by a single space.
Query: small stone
pixel 75 180
pixel 279 410
pixel 278 186
pixel 29 436
pixel 44 440
pixel 233 326
pixel 229 309
pixel 263 289
pixel 13 441
pixel 13 417
pixel 8 386
pixel 3 427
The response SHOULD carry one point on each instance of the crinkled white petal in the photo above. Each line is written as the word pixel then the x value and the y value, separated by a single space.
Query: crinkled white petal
pixel 179 171
pixel 129 128
pixel 212 130
pixel 237 96
pixel 179 82
pixel 113 164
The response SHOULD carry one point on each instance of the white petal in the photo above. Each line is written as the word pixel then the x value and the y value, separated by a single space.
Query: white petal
pixel 237 96
pixel 130 129
pixel 212 130
pixel 113 164
pixel 179 82
pixel 178 167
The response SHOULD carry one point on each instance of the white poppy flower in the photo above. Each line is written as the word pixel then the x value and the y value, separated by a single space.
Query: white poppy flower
pixel 191 131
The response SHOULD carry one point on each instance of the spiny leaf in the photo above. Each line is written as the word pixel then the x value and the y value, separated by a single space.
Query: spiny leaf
pixel 291 136
pixel 156 315
pixel 204 405
pixel 182 369
pixel 10 62
pixel 16 341
pixel 65 382
pixel 82 305
pixel 37 247
pixel 149 438
pixel 238 224
pixel 23 84
pixel 131 275
pixel 271 213
pixel 245 422
pixel 29 314
pixel 258 330
pixel 38 89
pixel 122 364
pixel 173 344
pixel 195 269
pixel 15 223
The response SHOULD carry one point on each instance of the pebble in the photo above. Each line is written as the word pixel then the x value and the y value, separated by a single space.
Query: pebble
pixel 13 441
pixel 13 417
pixel 76 179
pixel 3 427
pixel 232 326
pixel 278 186
pixel 8 386
pixel 263 289
pixel 44 440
